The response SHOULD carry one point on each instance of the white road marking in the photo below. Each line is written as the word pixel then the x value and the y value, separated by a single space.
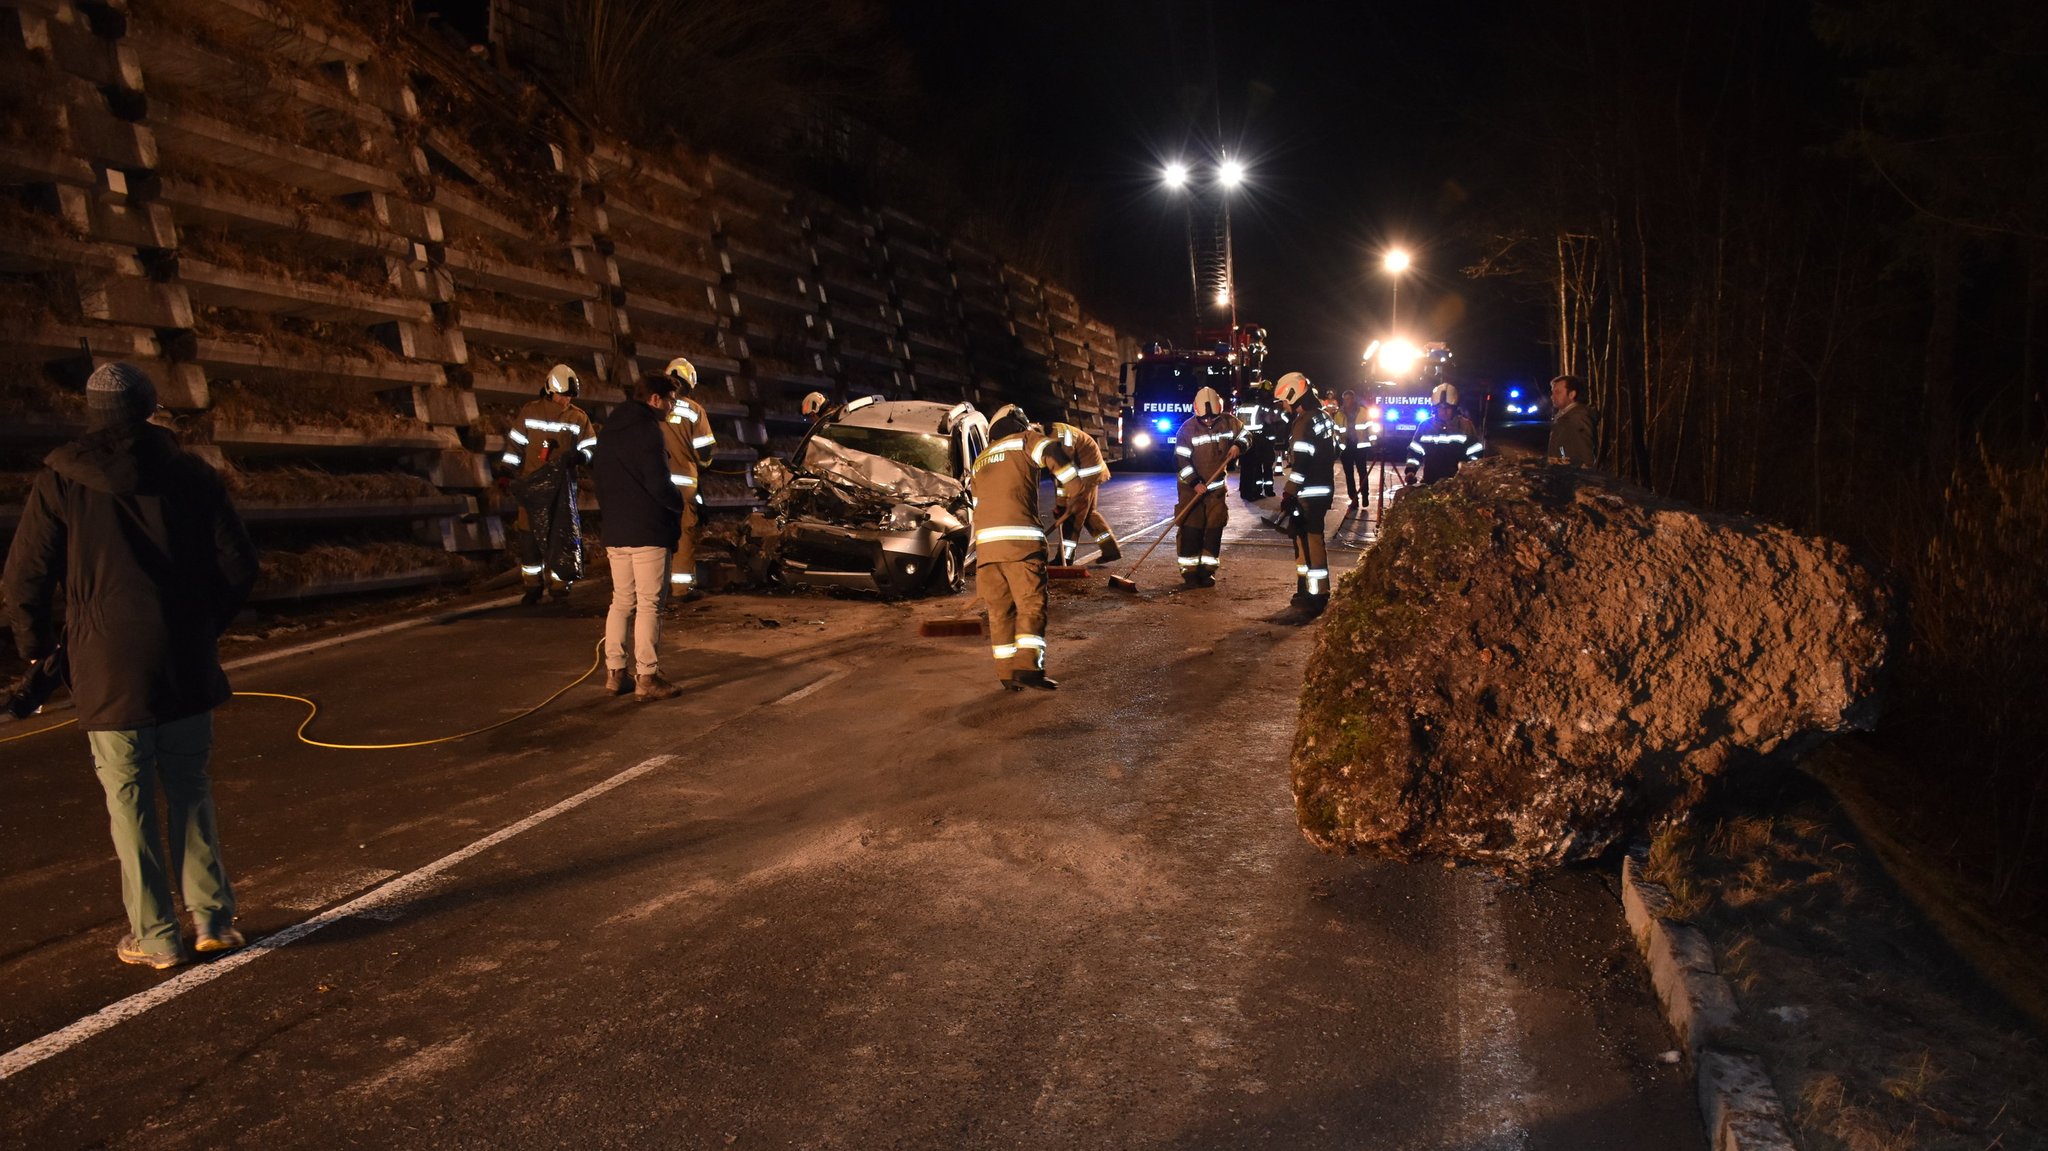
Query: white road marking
pixel 812 686
pixel 342 886
pixel 365 633
pixel 398 891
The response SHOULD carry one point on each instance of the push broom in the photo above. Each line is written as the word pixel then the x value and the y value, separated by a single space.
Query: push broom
pixel 1129 581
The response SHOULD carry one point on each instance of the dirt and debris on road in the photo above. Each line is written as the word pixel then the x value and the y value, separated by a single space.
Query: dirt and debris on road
pixel 1534 663
pixel 1879 1034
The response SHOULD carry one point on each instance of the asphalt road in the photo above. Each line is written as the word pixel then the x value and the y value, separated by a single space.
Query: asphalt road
pixel 843 893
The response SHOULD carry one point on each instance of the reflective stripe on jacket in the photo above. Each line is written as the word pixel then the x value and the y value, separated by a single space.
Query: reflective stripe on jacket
pixel 1312 454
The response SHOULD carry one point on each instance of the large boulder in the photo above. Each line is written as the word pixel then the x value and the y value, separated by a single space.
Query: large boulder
pixel 1534 662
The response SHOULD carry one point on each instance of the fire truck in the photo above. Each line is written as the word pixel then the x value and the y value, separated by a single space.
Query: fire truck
pixel 1399 377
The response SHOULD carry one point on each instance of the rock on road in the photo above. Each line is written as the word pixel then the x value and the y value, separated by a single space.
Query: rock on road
pixel 866 900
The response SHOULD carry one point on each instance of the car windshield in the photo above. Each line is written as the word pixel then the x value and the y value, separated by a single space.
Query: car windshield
pixel 924 450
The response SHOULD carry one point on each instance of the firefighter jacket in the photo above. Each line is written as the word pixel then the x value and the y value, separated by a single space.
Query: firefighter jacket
pixel 1439 447
pixel 687 432
pixel 1006 524
pixel 1262 420
pixel 1203 448
pixel 543 434
pixel 1090 469
pixel 1312 454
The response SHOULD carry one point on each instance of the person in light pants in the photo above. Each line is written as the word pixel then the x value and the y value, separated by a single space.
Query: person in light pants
pixel 643 519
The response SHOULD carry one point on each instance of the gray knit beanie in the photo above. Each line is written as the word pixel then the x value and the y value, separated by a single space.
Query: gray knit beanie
pixel 119 392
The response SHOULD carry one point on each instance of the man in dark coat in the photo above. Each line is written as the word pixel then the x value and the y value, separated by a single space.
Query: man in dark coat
pixel 155 563
pixel 643 519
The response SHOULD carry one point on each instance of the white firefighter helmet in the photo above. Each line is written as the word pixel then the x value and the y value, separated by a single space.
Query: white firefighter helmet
pixel 684 373
pixel 1291 388
pixel 563 381
pixel 814 403
pixel 1444 394
pixel 1008 420
pixel 1208 404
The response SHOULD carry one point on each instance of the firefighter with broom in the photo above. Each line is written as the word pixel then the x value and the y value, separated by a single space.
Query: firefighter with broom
pixel 1074 513
pixel 549 436
pixel 1205 446
pixel 1010 544
pixel 1314 442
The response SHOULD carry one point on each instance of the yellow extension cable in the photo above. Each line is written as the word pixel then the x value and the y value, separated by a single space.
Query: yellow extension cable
pixel 313 710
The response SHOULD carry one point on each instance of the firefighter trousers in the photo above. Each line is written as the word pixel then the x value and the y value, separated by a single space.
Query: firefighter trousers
pixel 682 559
pixel 526 547
pixel 1014 593
pixel 1199 546
pixel 1311 553
pixel 1084 522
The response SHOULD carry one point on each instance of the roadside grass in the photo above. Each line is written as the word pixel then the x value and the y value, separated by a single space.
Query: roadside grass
pixel 1880 1037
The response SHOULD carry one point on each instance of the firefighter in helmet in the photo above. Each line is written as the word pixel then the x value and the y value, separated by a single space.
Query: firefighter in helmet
pixel 549 431
pixel 1009 543
pixel 1205 446
pixel 1313 444
pixel 814 406
pixel 1446 440
pixel 1074 514
pixel 687 433
pixel 1263 421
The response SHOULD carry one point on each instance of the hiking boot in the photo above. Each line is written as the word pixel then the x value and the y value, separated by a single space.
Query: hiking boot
pixel 530 596
pixel 219 939
pixel 129 951
pixel 648 687
pixel 617 682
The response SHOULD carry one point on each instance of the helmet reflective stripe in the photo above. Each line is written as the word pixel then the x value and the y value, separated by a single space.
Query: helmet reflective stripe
pixel 683 372
pixel 1291 388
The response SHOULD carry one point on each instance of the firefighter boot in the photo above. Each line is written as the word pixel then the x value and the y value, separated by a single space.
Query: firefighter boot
pixel 1032 678
pixel 1110 552
pixel 531 596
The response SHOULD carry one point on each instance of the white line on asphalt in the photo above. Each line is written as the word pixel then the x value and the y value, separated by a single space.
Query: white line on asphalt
pixel 399 890
pixel 812 686
pixel 366 633
pixel 340 887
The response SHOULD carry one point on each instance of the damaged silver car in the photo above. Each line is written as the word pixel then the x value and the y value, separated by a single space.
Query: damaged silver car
pixel 875 497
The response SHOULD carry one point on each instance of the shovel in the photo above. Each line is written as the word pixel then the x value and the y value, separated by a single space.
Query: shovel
pixel 1129 582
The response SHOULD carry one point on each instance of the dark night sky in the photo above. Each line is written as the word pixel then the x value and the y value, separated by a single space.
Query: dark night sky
pixel 1353 121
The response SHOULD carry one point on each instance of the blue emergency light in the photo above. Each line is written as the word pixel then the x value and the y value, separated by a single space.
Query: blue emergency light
pixel 1423 416
pixel 1163 424
pixel 1514 393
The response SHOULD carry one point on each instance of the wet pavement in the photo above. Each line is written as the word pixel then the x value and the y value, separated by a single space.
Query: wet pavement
pixel 843 893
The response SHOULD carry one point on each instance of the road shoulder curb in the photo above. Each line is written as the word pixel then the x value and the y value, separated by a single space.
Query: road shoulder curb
pixel 1737 1101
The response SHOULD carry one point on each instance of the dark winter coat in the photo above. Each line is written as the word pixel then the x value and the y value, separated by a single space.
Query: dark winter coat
pixel 1571 437
pixel 155 563
pixel 642 507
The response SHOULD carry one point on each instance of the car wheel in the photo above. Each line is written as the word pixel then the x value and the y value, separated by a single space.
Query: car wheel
pixel 949 568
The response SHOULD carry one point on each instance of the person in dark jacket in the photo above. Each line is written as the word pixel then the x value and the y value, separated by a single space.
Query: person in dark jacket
pixel 1571 425
pixel 155 563
pixel 643 520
